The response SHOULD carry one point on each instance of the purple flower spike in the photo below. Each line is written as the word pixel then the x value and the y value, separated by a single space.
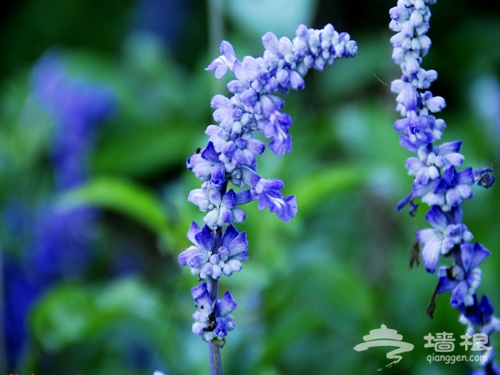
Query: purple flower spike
pixel 436 178
pixel 227 164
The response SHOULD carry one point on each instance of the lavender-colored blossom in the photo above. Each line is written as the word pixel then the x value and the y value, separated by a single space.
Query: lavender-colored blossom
pixel 222 209
pixel 213 319
pixel 281 68
pixel 479 317
pixel 270 196
pixel 206 259
pixel 432 159
pixel 449 190
pixel 229 159
pixel 463 281
pixel 437 182
pixel 448 232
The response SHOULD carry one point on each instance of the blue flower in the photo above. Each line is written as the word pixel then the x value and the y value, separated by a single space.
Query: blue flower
pixel 432 159
pixel 489 367
pixel 213 320
pixel 418 130
pixel 221 209
pixel 447 191
pixel 484 178
pixel 21 292
pixel 229 159
pixel 207 260
pixel 463 281
pixel 409 199
pixel 59 243
pixel 230 155
pixel 77 106
pixel 447 233
pixel 207 166
pixel 270 196
pixel 223 62
pixel 479 317
pixel 281 68
pixel 436 179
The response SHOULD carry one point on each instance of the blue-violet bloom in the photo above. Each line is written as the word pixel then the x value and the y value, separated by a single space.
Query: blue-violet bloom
pixel 436 178
pixel 227 164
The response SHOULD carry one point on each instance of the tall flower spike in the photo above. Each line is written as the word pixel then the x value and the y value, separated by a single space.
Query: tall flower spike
pixel 227 165
pixel 436 180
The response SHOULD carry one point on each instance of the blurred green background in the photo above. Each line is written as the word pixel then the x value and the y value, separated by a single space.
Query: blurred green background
pixel 312 287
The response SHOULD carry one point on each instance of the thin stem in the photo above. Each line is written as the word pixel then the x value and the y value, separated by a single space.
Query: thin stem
pixel 213 289
pixel 213 349
pixel 215 33
pixel 215 359
pixel 215 24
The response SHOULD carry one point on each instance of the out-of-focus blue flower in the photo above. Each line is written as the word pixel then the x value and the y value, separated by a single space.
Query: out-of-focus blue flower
pixel 437 182
pixel 20 292
pixel 58 247
pixel 77 107
pixel 484 178
pixel 60 242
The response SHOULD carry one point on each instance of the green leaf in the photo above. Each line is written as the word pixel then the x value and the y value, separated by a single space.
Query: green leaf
pixel 123 196
pixel 291 327
pixel 64 317
pixel 317 185
pixel 73 313
pixel 145 151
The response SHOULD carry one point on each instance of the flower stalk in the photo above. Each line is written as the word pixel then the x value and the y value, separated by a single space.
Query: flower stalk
pixel 438 180
pixel 227 164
